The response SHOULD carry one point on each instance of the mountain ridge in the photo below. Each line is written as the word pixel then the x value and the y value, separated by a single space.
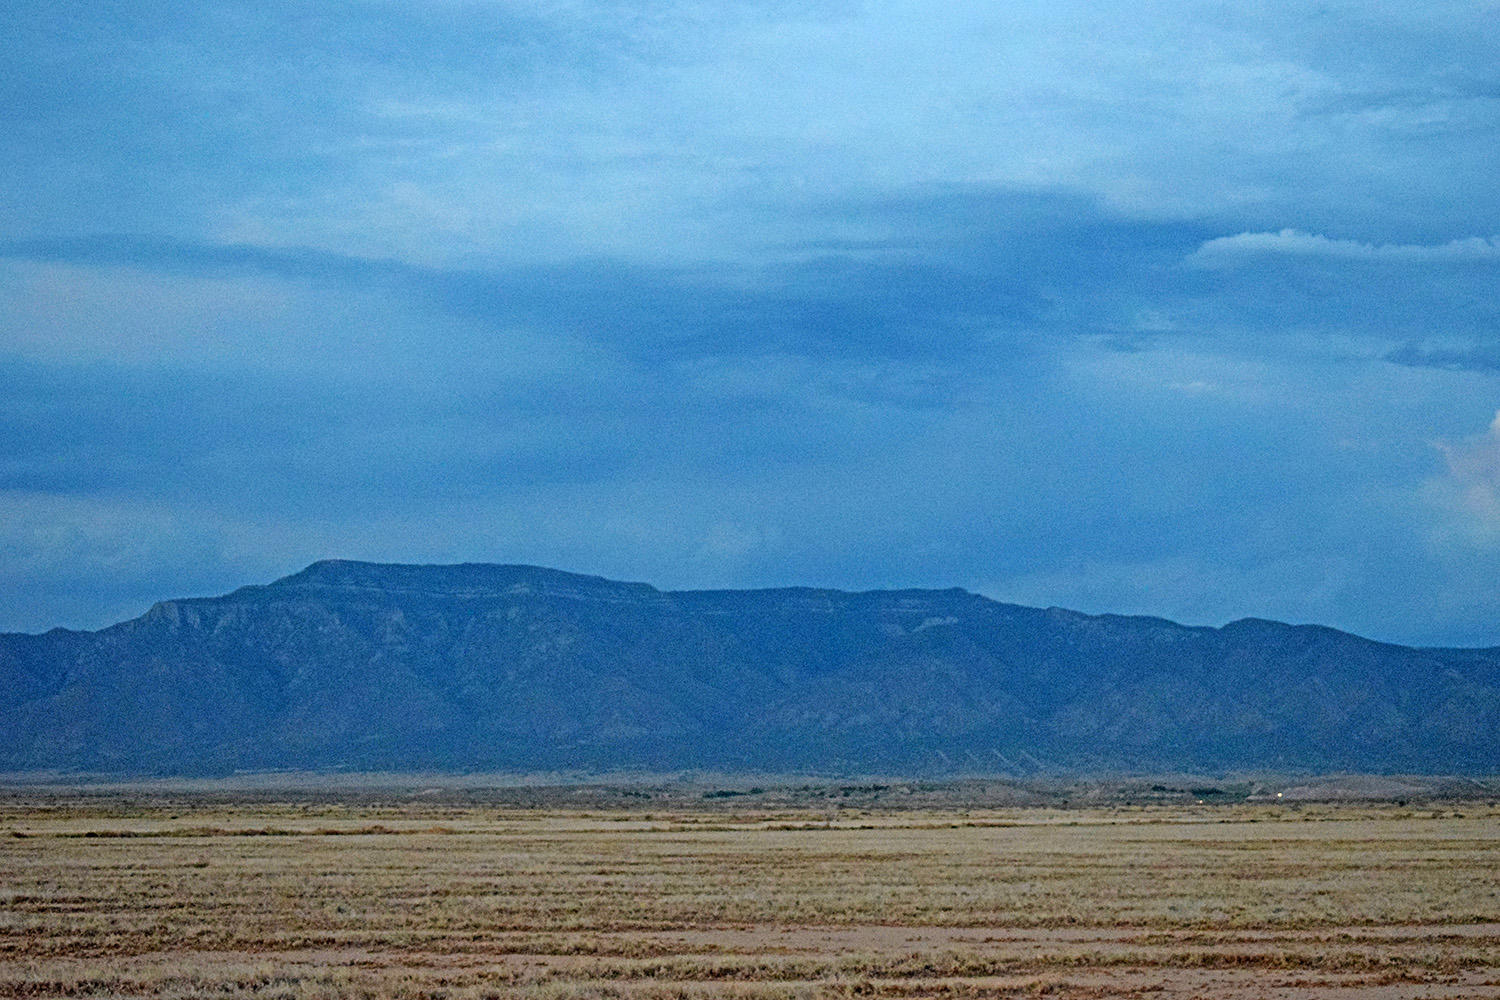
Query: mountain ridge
pixel 478 666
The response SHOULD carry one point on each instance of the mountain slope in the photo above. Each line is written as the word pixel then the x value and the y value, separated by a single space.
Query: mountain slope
pixel 478 667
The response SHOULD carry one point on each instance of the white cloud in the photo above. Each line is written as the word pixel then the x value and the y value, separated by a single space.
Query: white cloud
pixel 1468 493
pixel 1227 251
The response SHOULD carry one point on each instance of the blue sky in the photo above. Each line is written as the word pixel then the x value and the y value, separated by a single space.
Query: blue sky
pixel 1185 309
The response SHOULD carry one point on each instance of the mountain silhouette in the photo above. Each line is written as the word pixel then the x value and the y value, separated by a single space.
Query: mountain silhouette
pixel 469 668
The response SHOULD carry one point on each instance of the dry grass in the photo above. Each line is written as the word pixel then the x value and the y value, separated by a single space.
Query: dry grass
pixel 194 898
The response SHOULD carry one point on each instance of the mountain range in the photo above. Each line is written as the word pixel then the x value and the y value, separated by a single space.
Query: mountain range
pixel 487 668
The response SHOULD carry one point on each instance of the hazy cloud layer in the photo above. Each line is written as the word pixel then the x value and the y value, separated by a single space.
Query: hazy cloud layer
pixel 1469 487
pixel 1184 309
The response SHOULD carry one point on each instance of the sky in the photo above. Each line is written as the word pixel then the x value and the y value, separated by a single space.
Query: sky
pixel 1184 309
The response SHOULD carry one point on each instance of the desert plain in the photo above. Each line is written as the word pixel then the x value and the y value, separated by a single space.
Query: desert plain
pixel 865 890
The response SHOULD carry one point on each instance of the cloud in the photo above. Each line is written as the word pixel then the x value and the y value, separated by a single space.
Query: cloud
pixel 750 293
pixel 1468 492
pixel 1422 294
pixel 1227 251
pixel 436 131
pixel 1456 357
pixel 927 276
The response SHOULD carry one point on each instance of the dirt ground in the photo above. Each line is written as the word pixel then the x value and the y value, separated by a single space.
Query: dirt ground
pixel 204 896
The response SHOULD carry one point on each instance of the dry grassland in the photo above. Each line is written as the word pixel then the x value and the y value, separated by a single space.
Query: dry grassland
pixel 114 897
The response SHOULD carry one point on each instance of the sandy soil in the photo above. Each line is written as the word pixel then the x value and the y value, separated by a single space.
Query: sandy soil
pixel 288 902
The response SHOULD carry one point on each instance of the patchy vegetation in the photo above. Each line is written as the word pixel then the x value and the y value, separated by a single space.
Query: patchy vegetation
pixel 180 896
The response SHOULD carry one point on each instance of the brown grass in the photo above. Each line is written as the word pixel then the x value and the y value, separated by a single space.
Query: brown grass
pixel 197 898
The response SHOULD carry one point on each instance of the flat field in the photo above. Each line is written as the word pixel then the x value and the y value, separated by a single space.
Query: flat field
pixel 204 896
